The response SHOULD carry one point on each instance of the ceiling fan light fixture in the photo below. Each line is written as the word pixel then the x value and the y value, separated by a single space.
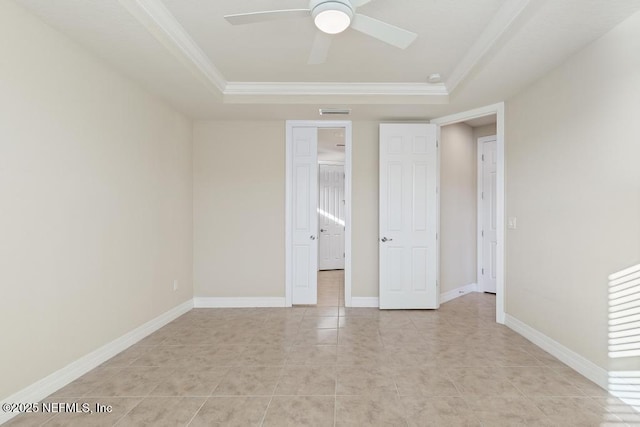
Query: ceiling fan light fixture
pixel 332 17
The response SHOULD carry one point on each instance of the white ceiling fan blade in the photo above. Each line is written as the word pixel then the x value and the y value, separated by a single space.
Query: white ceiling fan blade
pixel 358 3
pixel 270 15
pixel 387 33
pixel 320 48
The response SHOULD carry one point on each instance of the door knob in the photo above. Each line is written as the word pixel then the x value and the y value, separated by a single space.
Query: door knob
pixel 312 237
pixel 384 239
pixel 322 230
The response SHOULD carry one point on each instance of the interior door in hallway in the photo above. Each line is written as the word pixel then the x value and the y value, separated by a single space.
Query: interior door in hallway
pixel 488 220
pixel 408 216
pixel 331 217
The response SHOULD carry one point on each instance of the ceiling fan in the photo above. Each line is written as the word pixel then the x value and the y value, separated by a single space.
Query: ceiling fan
pixel 332 17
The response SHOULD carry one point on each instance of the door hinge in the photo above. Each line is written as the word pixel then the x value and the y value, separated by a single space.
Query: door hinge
pixel 482 233
pixel 483 271
pixel 436 236
pixel 437 143
pixel 482 195
pixel 344 255
pixel 483 157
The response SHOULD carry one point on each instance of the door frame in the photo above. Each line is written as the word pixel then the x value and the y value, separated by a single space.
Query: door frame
pixel 498 110
pixel 480 218
pixel 289 125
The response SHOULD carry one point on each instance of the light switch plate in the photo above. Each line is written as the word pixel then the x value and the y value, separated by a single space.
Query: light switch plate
pixel 512 223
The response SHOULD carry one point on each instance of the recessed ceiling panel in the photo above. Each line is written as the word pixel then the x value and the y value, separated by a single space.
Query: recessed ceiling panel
pixel 278 51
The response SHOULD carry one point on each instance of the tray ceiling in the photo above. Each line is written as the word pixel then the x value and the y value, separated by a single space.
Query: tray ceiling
pixel 185 52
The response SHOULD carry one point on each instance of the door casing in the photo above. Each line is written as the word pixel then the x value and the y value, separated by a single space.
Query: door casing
pixel 290 124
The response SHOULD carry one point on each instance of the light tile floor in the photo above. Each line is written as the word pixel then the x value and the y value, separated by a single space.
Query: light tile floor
pixel 331 288
pixel 336 366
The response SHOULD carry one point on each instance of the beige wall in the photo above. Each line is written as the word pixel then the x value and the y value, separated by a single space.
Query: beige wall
pixel 239 209
pixel 458 217
pixel 364 197
pixel 573 182
pixel 95 212
pixel 239 205
pixel 486 130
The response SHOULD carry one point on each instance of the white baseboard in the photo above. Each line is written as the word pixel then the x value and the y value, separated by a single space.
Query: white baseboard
pixel 458 292
pixel 584 366
pixel 60 378
pixel 248 302
pixel 365 302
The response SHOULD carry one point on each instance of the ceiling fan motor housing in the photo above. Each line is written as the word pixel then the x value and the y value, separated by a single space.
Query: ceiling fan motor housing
pixel 331 16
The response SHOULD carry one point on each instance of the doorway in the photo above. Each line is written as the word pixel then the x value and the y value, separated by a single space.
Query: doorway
pixel 331 217
pixel 498 111
pixel 318 227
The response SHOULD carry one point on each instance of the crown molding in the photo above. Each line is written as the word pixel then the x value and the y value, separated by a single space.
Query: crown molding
pixel 167 30
pixel 510 12
pixel 348 93
pixel 286 88
pixel 303 88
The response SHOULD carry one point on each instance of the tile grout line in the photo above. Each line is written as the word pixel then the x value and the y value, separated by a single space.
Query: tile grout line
pixel 196 413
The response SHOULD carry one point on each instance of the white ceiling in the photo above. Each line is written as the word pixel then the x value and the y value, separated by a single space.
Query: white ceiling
pixel 277 51
pixel 186 53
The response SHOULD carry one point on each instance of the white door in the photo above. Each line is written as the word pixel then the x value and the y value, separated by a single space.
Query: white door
pixel 488 220
pixel 331 217
pixel 305 218
pixel 408 216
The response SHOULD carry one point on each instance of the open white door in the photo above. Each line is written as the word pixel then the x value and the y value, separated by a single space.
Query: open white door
pixel 331 217
pixel 408 216
pixel 304 169
pixel 487 210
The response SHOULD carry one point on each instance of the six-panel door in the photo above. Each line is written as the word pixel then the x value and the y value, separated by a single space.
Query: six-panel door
pixel 408 216
pixel 305 218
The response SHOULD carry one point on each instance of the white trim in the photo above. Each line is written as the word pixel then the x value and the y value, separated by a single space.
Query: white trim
pixel 74 370
pixel 240 302
pixel 319 88
pixel 502 21
pixel 438 208
pixel 479 212
pixel 162 25
pixel 348 180
pixel 498 110
pixel 584 366
pixel 365 302
pixel 348 141
pixel 458 292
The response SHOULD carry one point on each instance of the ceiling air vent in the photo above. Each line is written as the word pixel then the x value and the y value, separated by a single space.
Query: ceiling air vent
pixel 334 112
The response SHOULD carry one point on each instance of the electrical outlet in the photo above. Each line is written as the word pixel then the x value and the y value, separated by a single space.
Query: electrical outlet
pixel 175 284
pixel 512 223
